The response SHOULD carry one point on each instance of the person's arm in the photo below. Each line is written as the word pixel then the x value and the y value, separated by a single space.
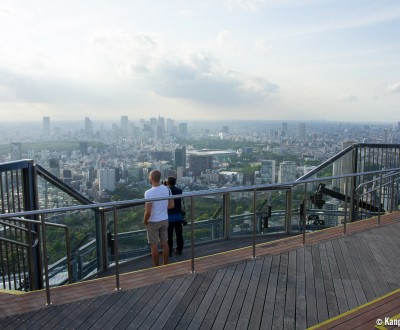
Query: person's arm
pixel 171 203
pixel 147 213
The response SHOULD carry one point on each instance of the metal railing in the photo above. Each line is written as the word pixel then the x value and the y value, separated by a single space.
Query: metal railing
pixel 294 217
pixel 113 232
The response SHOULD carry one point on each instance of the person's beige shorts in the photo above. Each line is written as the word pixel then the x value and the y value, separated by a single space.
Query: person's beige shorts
pixel 157 232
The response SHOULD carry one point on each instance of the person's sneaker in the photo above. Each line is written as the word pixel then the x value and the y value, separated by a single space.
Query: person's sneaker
pixel 178 252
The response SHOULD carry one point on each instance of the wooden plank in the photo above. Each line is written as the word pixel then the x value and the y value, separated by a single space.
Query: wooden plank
pixel 85 319
pixel 239 298
pixel 280 300
pixel 301 307
pixel 259 301
pixel 361 273
pixel 289 315
pixel 269 304
pixel 355 281
pixel 337 282
pixel 207 300
pixel 57 315
pixel 188 306
pixel 223 312
pixel 145 307
pixel 312 316
pixel 320 292
pixel 366 262
pixel 118 301
pixel 215 305
pixel 331 302
pixel 344 275
pixel 134 306
pixel 160 314
pixel 250 297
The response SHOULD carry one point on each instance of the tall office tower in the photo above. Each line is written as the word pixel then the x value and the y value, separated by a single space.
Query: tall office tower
pixel 161 123
pixel 153 126
pixel 398 126
pixel 124 125
pixel 106 179
pixel 267 171
pixel 287 171
pixel 54 167
pixel 385 135
pixel 46 127
pixel 170 126
pixel 88 128
pixel 284 127
pixel 182 129
pixel 180 159
pixel 16 151
pixel 199 163
pixel 83 147
pixel 225 129
pixel 302 131
pixel 66 176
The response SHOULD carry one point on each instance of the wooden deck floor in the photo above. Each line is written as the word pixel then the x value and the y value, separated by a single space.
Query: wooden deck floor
pixel 288 286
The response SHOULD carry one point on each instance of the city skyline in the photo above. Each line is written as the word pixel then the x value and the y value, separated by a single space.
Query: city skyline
pixel 207 60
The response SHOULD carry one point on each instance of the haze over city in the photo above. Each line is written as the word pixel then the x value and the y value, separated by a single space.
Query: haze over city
pixel 200 60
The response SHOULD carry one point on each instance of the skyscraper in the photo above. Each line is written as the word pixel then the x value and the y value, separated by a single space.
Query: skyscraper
pixel 180 159
pixel 106 179
pixel 302 131
pixel 182 129
pixel 88 128
pixel 46 127
pixel 124 125
pixel 287 171
pixel 267 171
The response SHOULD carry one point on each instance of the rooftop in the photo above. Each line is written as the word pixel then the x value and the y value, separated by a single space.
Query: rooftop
pixel 289 285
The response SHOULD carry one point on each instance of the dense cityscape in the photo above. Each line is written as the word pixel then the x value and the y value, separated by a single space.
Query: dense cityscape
pixel 106 162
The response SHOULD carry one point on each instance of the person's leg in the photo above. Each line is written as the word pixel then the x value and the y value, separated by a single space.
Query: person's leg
pixel 152 238
pixel 163 232
pixel 179 236
pixel 154 255
pixel 170 236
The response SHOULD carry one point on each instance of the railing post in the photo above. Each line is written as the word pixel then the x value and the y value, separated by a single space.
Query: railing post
pixel 192 232
pixel 117 286
pixel 353 185
pixel 303 214
pixel 288 217
pixel 346 184
pixel 254 222
pixel 103 234
pixel 45 261
pixel 380 199
pixel 227 214
pixel 100 241
pixel 29 188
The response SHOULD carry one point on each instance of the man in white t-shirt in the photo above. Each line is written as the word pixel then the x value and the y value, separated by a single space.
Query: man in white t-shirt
pixel 156 217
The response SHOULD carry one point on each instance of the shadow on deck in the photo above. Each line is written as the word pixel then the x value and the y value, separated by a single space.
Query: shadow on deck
pixel 288 286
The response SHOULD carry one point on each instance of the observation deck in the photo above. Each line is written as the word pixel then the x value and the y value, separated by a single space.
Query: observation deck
pixel 319 252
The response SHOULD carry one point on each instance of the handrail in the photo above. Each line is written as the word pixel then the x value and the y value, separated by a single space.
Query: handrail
pixel 343 153
pixel 199 193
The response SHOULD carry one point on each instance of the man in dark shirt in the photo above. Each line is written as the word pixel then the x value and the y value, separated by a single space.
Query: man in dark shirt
pixel 175 218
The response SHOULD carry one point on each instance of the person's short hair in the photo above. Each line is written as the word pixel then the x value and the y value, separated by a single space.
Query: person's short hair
pixel 171 180
pixel 155 175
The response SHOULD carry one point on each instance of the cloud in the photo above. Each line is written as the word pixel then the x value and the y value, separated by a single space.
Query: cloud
pixel 394 88
pixel 250 5
pixel 199 81
pixel 348 98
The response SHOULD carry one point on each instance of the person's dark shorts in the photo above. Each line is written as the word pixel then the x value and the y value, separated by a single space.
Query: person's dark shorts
pixel 157 232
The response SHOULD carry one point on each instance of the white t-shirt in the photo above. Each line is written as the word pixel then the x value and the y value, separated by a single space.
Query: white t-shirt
pixel 159 209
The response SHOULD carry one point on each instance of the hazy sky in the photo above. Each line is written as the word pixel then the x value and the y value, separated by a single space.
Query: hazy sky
pixel 208 59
